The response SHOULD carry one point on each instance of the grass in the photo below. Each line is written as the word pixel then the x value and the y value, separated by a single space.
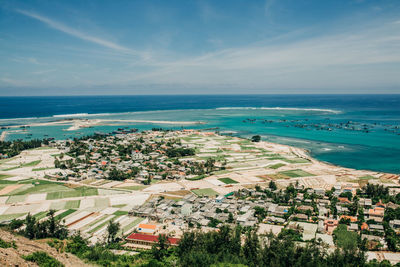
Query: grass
pixel 15 199
pixel 228 180
pixel 345 239
pixel 205 192
pixel 98 227
pixel 199 177
pixel 296 160
pixel 119 206
pixel 120 213
pixel 131 225
pixel 31 164
pixel 367 177
pixel 135 187
pixel 277 176
pixel 4 176
pixel 40 215
pixel 72 204
pixel 12 168
pixel 64 214
pixel 42 169
pixel 76 192
pixel 9 217
pixel 276 166
pixel 42 259
pixel 296 173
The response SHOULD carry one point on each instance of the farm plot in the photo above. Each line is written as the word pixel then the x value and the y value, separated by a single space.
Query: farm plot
pixel 228 180
pixel 76 192
pixel 205 192
pixel 296 173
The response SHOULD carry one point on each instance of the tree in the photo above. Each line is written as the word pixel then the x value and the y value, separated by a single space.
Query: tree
pixel 272 185
pixel 30 229
pixel 255 138
pixel 112 230
pixel 160 249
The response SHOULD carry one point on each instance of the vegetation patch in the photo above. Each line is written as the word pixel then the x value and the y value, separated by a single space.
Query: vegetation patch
pixel 296 160
pixel 135 187
pixel 5 244
pixel 367 177
pixel 40 215
pixel 42 169
pixel 4 176
pixel 9 217
pixel 77 192
pixel 64 214
pixel 228 180
pixel 43 259
pixel 205 192
pixel 345 239
pixel 198 177
pixel 31 164
pixel 276 166
pixel 296 173
pixel 72 204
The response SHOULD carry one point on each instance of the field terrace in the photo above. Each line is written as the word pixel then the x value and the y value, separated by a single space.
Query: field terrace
pixel 87 201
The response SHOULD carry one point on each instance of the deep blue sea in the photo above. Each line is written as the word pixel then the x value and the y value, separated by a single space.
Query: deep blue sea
pixel 357 131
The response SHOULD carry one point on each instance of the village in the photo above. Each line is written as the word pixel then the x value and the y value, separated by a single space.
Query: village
pixel 170 182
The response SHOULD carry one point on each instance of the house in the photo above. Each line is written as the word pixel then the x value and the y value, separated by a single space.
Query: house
pixel 353 227
pixel 147 228
pixel 147 241
pixel 347 217
pixel 395 224
pixel 330 225
pixel 305 208
pixel 376 227
pixel 376 214
pixel 300 216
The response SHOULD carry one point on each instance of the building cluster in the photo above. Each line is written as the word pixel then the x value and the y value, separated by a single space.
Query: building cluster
pixel 316 209
pixel 145 156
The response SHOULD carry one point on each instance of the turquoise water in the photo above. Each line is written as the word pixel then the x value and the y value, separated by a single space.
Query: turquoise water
pixel 319 123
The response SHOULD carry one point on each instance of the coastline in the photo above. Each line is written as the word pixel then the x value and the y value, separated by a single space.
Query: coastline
pixel 77 124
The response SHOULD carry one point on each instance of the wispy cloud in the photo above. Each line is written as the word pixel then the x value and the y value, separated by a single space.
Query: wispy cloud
pixel 81 35
pixel 352 58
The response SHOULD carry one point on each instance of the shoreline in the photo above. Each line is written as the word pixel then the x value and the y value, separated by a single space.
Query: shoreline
pixel 77 124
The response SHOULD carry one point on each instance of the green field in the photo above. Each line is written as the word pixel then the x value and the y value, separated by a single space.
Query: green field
pixel 76 192
pixel 276 166
pixel 367 177
pixel 9 217
pixel 130 225
pixel 199 177
pixel 42 169
pixel 228 181
pixel 296 160
pixel 135 187
pixel 31 164
pixel 120 213
pixel 205 192
pixel 72 204
pixel 3 176
pixel 296 173
pixel 64 214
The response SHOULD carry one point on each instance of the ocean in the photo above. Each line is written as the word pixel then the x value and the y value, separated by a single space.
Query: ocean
pixel 356 131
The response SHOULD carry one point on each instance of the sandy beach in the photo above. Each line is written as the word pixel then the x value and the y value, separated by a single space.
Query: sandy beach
pixel 77 124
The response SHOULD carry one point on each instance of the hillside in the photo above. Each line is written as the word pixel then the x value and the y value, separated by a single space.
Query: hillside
pixel 12 256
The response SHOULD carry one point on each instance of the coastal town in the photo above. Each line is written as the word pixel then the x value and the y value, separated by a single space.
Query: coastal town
pixel 162 182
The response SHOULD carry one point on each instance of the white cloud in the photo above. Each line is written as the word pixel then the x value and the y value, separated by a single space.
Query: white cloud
pixel 81 35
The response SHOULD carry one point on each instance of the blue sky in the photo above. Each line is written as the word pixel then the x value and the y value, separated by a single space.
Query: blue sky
pixel 79 47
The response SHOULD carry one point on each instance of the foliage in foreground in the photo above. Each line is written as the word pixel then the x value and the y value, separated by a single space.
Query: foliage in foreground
pixel 225 248
pixel 43 259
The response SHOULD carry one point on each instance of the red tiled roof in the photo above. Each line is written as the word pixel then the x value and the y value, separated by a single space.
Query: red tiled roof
pixel 151 238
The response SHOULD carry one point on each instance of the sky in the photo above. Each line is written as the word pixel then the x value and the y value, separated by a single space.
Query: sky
pixel 84 47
